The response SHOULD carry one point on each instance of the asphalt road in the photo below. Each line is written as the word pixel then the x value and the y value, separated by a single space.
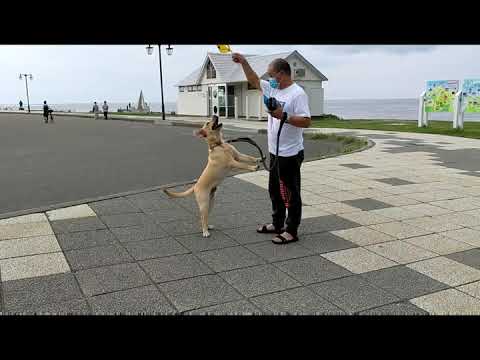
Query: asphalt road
pixel 79 158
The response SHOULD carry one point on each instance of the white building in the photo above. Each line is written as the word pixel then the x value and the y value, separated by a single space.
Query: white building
pixel 220 86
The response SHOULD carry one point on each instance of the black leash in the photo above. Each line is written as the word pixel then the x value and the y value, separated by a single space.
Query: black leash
pixel 252 142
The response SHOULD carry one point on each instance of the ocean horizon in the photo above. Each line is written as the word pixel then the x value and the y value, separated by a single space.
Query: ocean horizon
pixel 388 109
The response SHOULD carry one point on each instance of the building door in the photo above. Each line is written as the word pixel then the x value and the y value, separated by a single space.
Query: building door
pixel 222 101
pixel 212 100
pixel 231 101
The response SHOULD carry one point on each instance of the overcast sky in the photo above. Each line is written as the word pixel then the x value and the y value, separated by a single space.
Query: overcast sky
pixel 79 73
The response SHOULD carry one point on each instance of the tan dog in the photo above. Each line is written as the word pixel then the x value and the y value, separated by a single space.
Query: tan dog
pixel 222 158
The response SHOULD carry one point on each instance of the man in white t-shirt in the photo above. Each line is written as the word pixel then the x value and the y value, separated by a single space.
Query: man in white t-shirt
pixel 293 107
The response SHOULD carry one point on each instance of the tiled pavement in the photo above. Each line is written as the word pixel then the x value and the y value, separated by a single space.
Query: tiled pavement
pixel 391 230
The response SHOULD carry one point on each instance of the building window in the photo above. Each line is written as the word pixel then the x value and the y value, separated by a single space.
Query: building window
pixel 211 73
pixel 181 89
pixel 199 87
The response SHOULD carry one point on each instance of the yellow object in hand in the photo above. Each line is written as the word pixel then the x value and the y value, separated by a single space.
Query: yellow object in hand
pixel 224 48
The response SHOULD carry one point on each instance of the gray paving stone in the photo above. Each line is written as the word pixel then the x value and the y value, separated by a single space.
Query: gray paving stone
pixel 97 256
pixel 199 292
pixel 111 278
pixel 355 166
pixel 325 223
pixel 230 258
pixel 312 269
pixel 155 248
pixel 241 307
pixel 298 301
pixel 172 214
pixel 77 225
pixel 227 221
pixel 395 181
pixel 235 207
pixel 147 203
pixel 183 227
pixel 113 207
pixel 259 280
pixel 367 204
pixel 21 295
pixel 247 235
pixel 274 252
pixel 85 239
pixel 353 294
pixel 401 308
pixel 70 307
pixel 125 220
pixel 175 268
pixel 197 242
pixel 325 242
pixel 140 233
pixel 468 257
pixel 137 301
pixel 404 282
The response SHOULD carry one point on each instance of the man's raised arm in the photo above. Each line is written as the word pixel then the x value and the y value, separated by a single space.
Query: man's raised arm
pixel 252 77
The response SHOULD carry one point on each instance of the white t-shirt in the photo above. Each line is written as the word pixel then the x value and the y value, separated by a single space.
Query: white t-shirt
pixel 294 101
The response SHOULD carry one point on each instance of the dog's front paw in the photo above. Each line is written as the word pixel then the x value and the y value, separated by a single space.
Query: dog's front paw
pixel 206 234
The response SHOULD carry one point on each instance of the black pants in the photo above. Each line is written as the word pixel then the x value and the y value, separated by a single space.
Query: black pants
pixel 105 114
pixel 290 176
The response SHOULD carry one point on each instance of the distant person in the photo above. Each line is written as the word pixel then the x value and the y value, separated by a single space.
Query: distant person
pixel 20 105
pixel 45 111
pixel 129 107
pixel 105 109
pixel 95 110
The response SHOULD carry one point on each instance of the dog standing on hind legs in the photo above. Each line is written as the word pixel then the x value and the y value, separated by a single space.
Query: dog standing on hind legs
pixel 222 158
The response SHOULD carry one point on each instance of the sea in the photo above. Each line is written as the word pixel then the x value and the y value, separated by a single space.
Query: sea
pixel 392 109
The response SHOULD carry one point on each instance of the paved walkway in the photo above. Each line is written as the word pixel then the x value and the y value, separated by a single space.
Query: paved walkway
pixel 394 229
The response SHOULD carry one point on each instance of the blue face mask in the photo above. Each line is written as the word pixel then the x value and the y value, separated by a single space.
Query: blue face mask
pixel 273 83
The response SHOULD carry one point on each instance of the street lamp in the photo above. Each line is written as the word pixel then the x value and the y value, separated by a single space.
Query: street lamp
pixel 169 52
pixel 26 86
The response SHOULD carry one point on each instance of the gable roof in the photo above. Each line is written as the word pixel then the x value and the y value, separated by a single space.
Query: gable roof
pixel 227 71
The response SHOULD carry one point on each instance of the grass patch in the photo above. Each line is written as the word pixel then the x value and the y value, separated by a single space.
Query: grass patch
pixel 348 143
pixel 139 113
pixel 471 129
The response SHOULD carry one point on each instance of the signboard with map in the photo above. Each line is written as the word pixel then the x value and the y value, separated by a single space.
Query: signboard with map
pixel 471 95
pixel 440 95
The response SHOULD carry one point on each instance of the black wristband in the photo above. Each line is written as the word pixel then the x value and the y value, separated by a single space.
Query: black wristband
pixel 284 116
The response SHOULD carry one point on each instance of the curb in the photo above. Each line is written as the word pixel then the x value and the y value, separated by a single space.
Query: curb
pixel 90 200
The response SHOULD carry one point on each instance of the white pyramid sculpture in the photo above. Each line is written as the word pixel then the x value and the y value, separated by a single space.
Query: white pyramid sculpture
pixel 141 103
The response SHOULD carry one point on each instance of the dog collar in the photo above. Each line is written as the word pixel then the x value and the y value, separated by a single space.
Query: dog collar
pixel 215 145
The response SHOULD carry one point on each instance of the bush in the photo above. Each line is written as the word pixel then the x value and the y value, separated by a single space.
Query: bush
pixel 327 117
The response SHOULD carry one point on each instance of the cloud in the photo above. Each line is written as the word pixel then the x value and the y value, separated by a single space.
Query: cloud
pixel 395 49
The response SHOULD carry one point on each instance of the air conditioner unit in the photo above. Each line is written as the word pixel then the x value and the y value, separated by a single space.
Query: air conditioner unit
pixel 299 73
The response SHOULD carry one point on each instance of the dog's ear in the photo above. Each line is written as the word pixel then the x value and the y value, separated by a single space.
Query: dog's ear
pixel 218 127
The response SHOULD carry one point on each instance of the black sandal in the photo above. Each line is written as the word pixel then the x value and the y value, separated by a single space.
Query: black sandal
pixel 284 240
pixel 265 230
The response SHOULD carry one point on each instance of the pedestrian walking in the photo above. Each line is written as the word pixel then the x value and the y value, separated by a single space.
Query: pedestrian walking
pixel 45 111
pixel 95 110
pixel 105 109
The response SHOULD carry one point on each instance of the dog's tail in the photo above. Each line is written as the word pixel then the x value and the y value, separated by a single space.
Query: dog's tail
pixel 181 194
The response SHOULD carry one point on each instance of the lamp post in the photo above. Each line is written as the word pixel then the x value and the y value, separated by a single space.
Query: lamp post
pixel 169 52
pixel 26 86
